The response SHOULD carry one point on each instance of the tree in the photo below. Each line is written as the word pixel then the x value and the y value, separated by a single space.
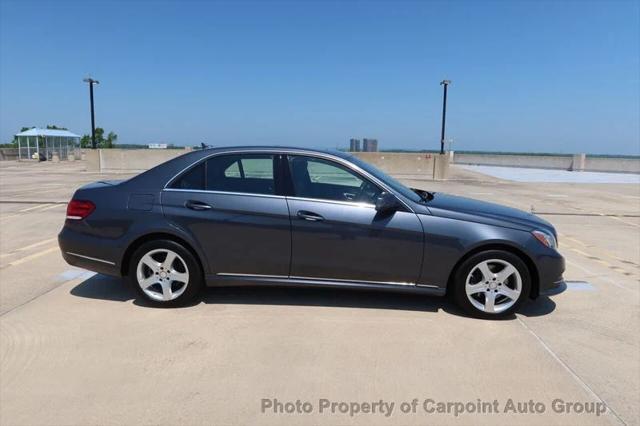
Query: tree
pixel 101 142
pixel 85 141
pixel 111 140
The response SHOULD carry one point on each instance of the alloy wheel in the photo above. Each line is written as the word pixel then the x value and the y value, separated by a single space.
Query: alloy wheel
pixel 162 275
pixel 493 286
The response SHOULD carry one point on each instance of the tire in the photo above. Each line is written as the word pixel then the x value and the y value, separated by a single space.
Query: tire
pixel 165 273
pixel 491 284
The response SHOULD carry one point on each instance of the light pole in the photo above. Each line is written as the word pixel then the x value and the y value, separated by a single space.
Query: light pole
pixel 444 83
pixel 91 82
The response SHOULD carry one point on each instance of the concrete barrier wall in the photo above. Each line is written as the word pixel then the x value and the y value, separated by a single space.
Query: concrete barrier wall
pixel 564 162
pixel 608 164
pixel 129 160
pixel 578 162
pixel 400 163
pixel 424 165
pixel 7 154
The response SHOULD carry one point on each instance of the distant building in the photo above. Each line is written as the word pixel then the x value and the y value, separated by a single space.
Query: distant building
pixel 370 145
pixel 158 146
pixel 354 145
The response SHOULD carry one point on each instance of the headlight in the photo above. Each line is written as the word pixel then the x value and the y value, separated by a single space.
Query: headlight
pixel 545 238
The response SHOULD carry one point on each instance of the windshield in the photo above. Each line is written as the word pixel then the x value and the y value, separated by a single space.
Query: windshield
pixel 393 183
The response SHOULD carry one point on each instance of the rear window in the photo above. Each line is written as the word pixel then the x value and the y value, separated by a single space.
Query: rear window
pixel 192 179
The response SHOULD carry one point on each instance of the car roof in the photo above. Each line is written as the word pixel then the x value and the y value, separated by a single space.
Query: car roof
pixel 167 170
pixel 274 148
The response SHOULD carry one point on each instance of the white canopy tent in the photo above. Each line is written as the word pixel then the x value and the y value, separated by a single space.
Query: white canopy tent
pixel 47 142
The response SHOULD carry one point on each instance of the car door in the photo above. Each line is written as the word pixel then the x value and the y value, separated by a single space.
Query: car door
pixel 232 205
pixel 337 234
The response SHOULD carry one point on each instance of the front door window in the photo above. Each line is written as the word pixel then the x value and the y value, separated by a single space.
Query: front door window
pixel 320 179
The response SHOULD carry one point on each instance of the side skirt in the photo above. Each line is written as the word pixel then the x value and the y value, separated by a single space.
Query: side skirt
pixel 238 280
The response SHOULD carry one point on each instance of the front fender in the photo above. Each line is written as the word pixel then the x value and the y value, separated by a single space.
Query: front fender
pixel 448 240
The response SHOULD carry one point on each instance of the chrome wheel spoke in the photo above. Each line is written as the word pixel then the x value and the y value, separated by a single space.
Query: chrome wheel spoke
pixel 181 277
pixel 475 288
pixel 166 290
pixel 506 272
pixel 486 272
pixel 510 293
pixel 168 261
pixel 489 301
pixel 151 263
pixel 148 282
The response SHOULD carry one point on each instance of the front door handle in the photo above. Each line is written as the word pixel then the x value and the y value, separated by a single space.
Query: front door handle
pixel 349 196
pixel 310 216
pixel 197 205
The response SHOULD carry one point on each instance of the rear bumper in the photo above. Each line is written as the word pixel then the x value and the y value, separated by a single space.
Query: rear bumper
pixel 88 252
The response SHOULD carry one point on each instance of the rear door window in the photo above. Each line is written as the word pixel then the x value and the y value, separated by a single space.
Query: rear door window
pixel 242 173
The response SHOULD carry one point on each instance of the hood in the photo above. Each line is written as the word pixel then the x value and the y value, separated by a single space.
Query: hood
pixel 480 211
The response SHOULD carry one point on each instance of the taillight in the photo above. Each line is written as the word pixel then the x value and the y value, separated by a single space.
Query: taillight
pixel 79 209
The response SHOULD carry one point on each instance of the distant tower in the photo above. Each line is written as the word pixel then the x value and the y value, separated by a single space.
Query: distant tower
pixel 370 145
pixel 354 145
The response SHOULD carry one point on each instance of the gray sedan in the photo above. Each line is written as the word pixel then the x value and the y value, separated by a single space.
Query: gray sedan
pixel 299 217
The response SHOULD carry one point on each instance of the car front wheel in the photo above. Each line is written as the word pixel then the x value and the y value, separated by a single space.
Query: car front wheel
pixel 165 273
pixel 491 284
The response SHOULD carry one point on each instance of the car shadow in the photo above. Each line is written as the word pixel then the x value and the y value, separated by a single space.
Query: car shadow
pixel 114 289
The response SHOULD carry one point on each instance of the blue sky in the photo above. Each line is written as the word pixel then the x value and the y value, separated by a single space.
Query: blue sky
pixel 541 76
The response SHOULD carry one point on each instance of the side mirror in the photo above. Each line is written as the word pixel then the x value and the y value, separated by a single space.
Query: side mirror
pixel 387 202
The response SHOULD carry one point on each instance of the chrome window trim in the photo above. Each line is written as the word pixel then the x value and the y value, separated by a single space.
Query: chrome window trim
pixel 285 151
pixel 95 259
pixel 346 203
pixel 203 191
pixel 217 154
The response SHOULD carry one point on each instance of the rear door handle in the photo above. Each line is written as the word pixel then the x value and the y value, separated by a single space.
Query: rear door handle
pixel 310 216
pixel 197 205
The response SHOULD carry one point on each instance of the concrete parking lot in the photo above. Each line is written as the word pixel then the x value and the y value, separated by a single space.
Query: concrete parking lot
pixel 80 349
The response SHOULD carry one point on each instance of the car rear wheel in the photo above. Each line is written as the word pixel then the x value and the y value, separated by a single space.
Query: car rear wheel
pixel 491 284
pixel 165 273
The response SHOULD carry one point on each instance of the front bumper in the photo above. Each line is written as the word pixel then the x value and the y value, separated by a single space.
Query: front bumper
pixel 550 267
pixel 557 288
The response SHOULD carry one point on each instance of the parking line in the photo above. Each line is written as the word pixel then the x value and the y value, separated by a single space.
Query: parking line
pixel 569 370
pixel 52 207
pixel 31 257
pixel 598 276
pixel 624 221
pixel 30 246
pixel 600 251
pixel 28 209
